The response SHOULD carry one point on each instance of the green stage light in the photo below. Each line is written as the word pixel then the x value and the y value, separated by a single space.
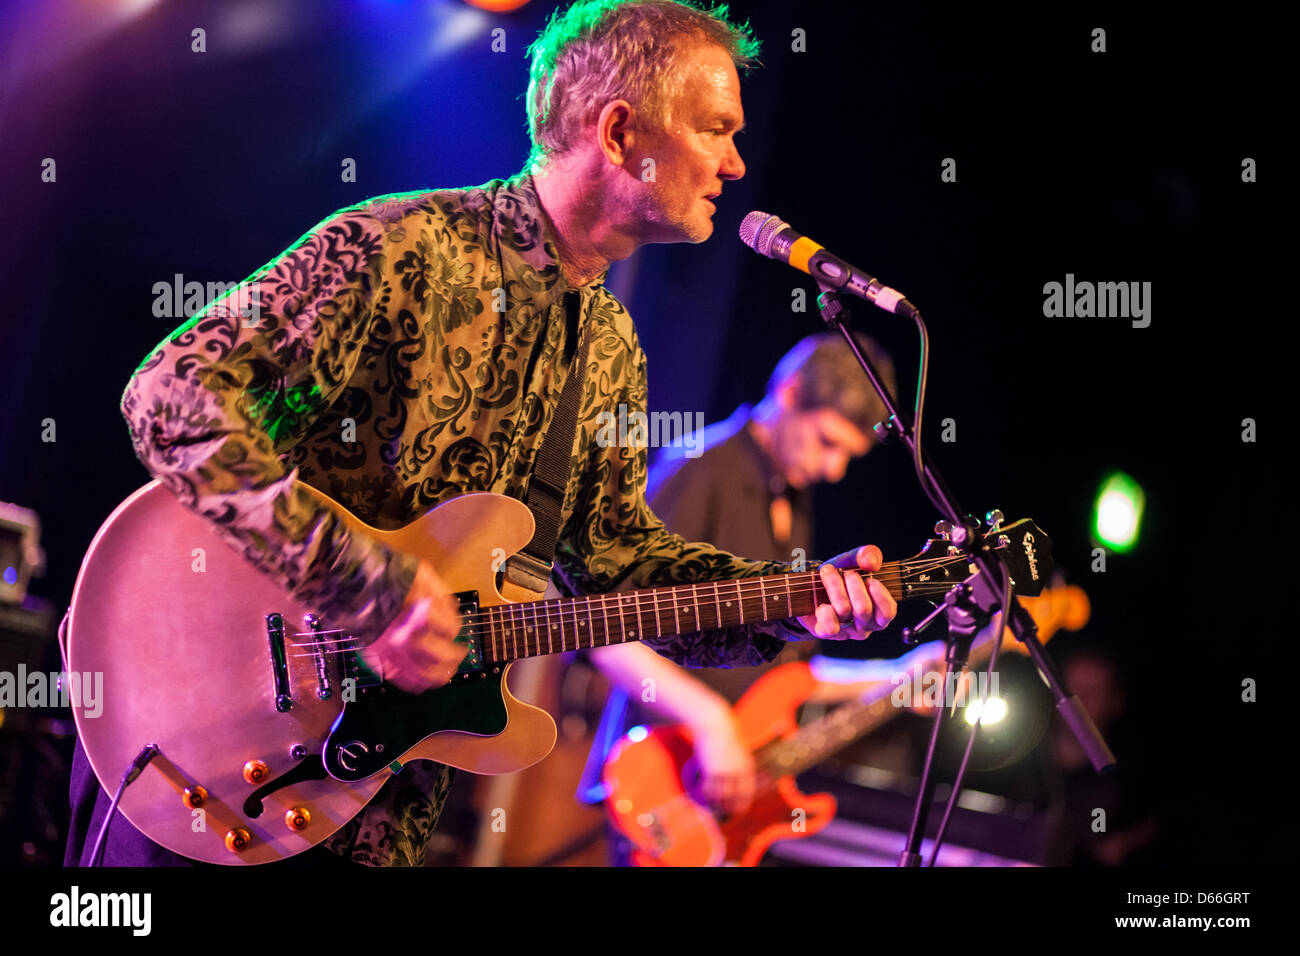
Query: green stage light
pixel 1117 516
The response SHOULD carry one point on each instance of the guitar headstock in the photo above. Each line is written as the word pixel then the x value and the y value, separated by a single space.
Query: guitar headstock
pixel 1021 544
pixel 1027 552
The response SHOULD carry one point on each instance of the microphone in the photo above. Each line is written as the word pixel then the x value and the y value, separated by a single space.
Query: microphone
pixel 773 237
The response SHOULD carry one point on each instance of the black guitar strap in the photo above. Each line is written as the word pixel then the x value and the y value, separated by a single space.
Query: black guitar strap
pixel 531 567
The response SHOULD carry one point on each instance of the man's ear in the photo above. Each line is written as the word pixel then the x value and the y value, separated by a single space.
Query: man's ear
pixel 785 392
pixel 614 132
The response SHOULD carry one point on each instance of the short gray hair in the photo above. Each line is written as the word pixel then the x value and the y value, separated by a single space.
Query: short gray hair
pixel 597 51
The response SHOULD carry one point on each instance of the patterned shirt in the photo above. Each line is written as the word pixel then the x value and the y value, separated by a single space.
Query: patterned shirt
pixel 406 350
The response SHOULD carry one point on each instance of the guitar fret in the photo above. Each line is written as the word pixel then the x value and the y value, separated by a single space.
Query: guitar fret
pixel 537 634
pixel 550 633
pixel 503 621
pixel 717 603
pixel 740 602
pixel 505 632
pixel 572 604
pixel 591 626
pixel 604 613
pixel 789 609
pixel 728 604
pixel 694 607
pixel 659 627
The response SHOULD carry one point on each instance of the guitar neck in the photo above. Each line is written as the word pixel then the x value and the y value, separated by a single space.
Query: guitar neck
pixel 509 632
pixel 844 725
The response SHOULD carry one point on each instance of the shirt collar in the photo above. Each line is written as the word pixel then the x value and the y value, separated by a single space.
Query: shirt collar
pixel 527 240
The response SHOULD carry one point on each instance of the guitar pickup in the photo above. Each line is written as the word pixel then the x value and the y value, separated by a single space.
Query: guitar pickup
pixel 279 662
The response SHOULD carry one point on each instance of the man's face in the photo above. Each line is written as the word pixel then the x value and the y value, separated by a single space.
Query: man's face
pixel 815 445
pixel 696 152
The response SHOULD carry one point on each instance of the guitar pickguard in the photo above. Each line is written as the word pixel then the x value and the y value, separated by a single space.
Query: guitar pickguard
pixel 383 723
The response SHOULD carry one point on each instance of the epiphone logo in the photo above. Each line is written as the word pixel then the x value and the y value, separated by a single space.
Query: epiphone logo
pixel 1029 554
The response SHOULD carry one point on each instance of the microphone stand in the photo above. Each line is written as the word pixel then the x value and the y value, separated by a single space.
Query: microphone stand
pixel 971 603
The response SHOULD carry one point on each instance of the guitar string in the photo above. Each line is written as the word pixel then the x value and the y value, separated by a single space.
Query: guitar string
pixel 657 596
pixel 562 610
pixel 519 632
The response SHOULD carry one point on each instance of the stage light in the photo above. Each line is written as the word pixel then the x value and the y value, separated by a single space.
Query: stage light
pixel 1117 516
pixel 497 6
pixel 994 709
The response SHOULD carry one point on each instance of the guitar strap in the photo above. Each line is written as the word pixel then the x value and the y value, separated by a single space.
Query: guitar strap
pixel 531 567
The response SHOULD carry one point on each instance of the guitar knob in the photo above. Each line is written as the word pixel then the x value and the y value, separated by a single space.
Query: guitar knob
pixel 943 529
pixel 297 818
pixel 194 797
pixel 255 771
pixel 238 840
pixel 995 519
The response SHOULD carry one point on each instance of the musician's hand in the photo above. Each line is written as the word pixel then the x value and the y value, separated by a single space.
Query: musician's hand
pixel 417 651
pixel 858 605
pixel 726 766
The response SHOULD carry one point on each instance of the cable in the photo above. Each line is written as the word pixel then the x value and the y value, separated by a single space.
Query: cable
pixel 137 767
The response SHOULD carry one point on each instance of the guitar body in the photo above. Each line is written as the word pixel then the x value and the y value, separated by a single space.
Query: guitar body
pixel 271 734
pixel 651 786
pixel 175 620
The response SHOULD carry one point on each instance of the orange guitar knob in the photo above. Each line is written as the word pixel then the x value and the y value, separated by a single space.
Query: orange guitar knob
pixel 255 771
pixel 195 797
pixel 238 839
pixel 297 818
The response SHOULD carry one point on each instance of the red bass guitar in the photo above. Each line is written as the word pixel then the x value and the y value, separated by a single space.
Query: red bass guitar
pixel 652 800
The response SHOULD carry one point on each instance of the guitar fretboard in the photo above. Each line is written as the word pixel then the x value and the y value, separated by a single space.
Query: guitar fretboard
pixel 530 629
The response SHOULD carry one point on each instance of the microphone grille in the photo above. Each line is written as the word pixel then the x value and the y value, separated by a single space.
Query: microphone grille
pixel 758 229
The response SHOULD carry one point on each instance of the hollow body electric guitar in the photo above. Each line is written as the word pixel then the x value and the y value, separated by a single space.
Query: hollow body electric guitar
pixel 272 733
pixel 652 797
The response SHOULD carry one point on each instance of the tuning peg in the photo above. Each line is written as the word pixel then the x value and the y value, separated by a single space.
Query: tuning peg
pixel 943 529
pixel 995 519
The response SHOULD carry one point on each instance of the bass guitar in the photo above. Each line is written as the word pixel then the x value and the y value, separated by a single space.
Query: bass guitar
pixel 650 777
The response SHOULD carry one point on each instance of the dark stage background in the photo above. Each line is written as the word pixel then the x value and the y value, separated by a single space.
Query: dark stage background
pixel 1117 166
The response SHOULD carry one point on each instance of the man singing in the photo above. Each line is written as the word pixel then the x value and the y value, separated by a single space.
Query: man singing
pixel 413 347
